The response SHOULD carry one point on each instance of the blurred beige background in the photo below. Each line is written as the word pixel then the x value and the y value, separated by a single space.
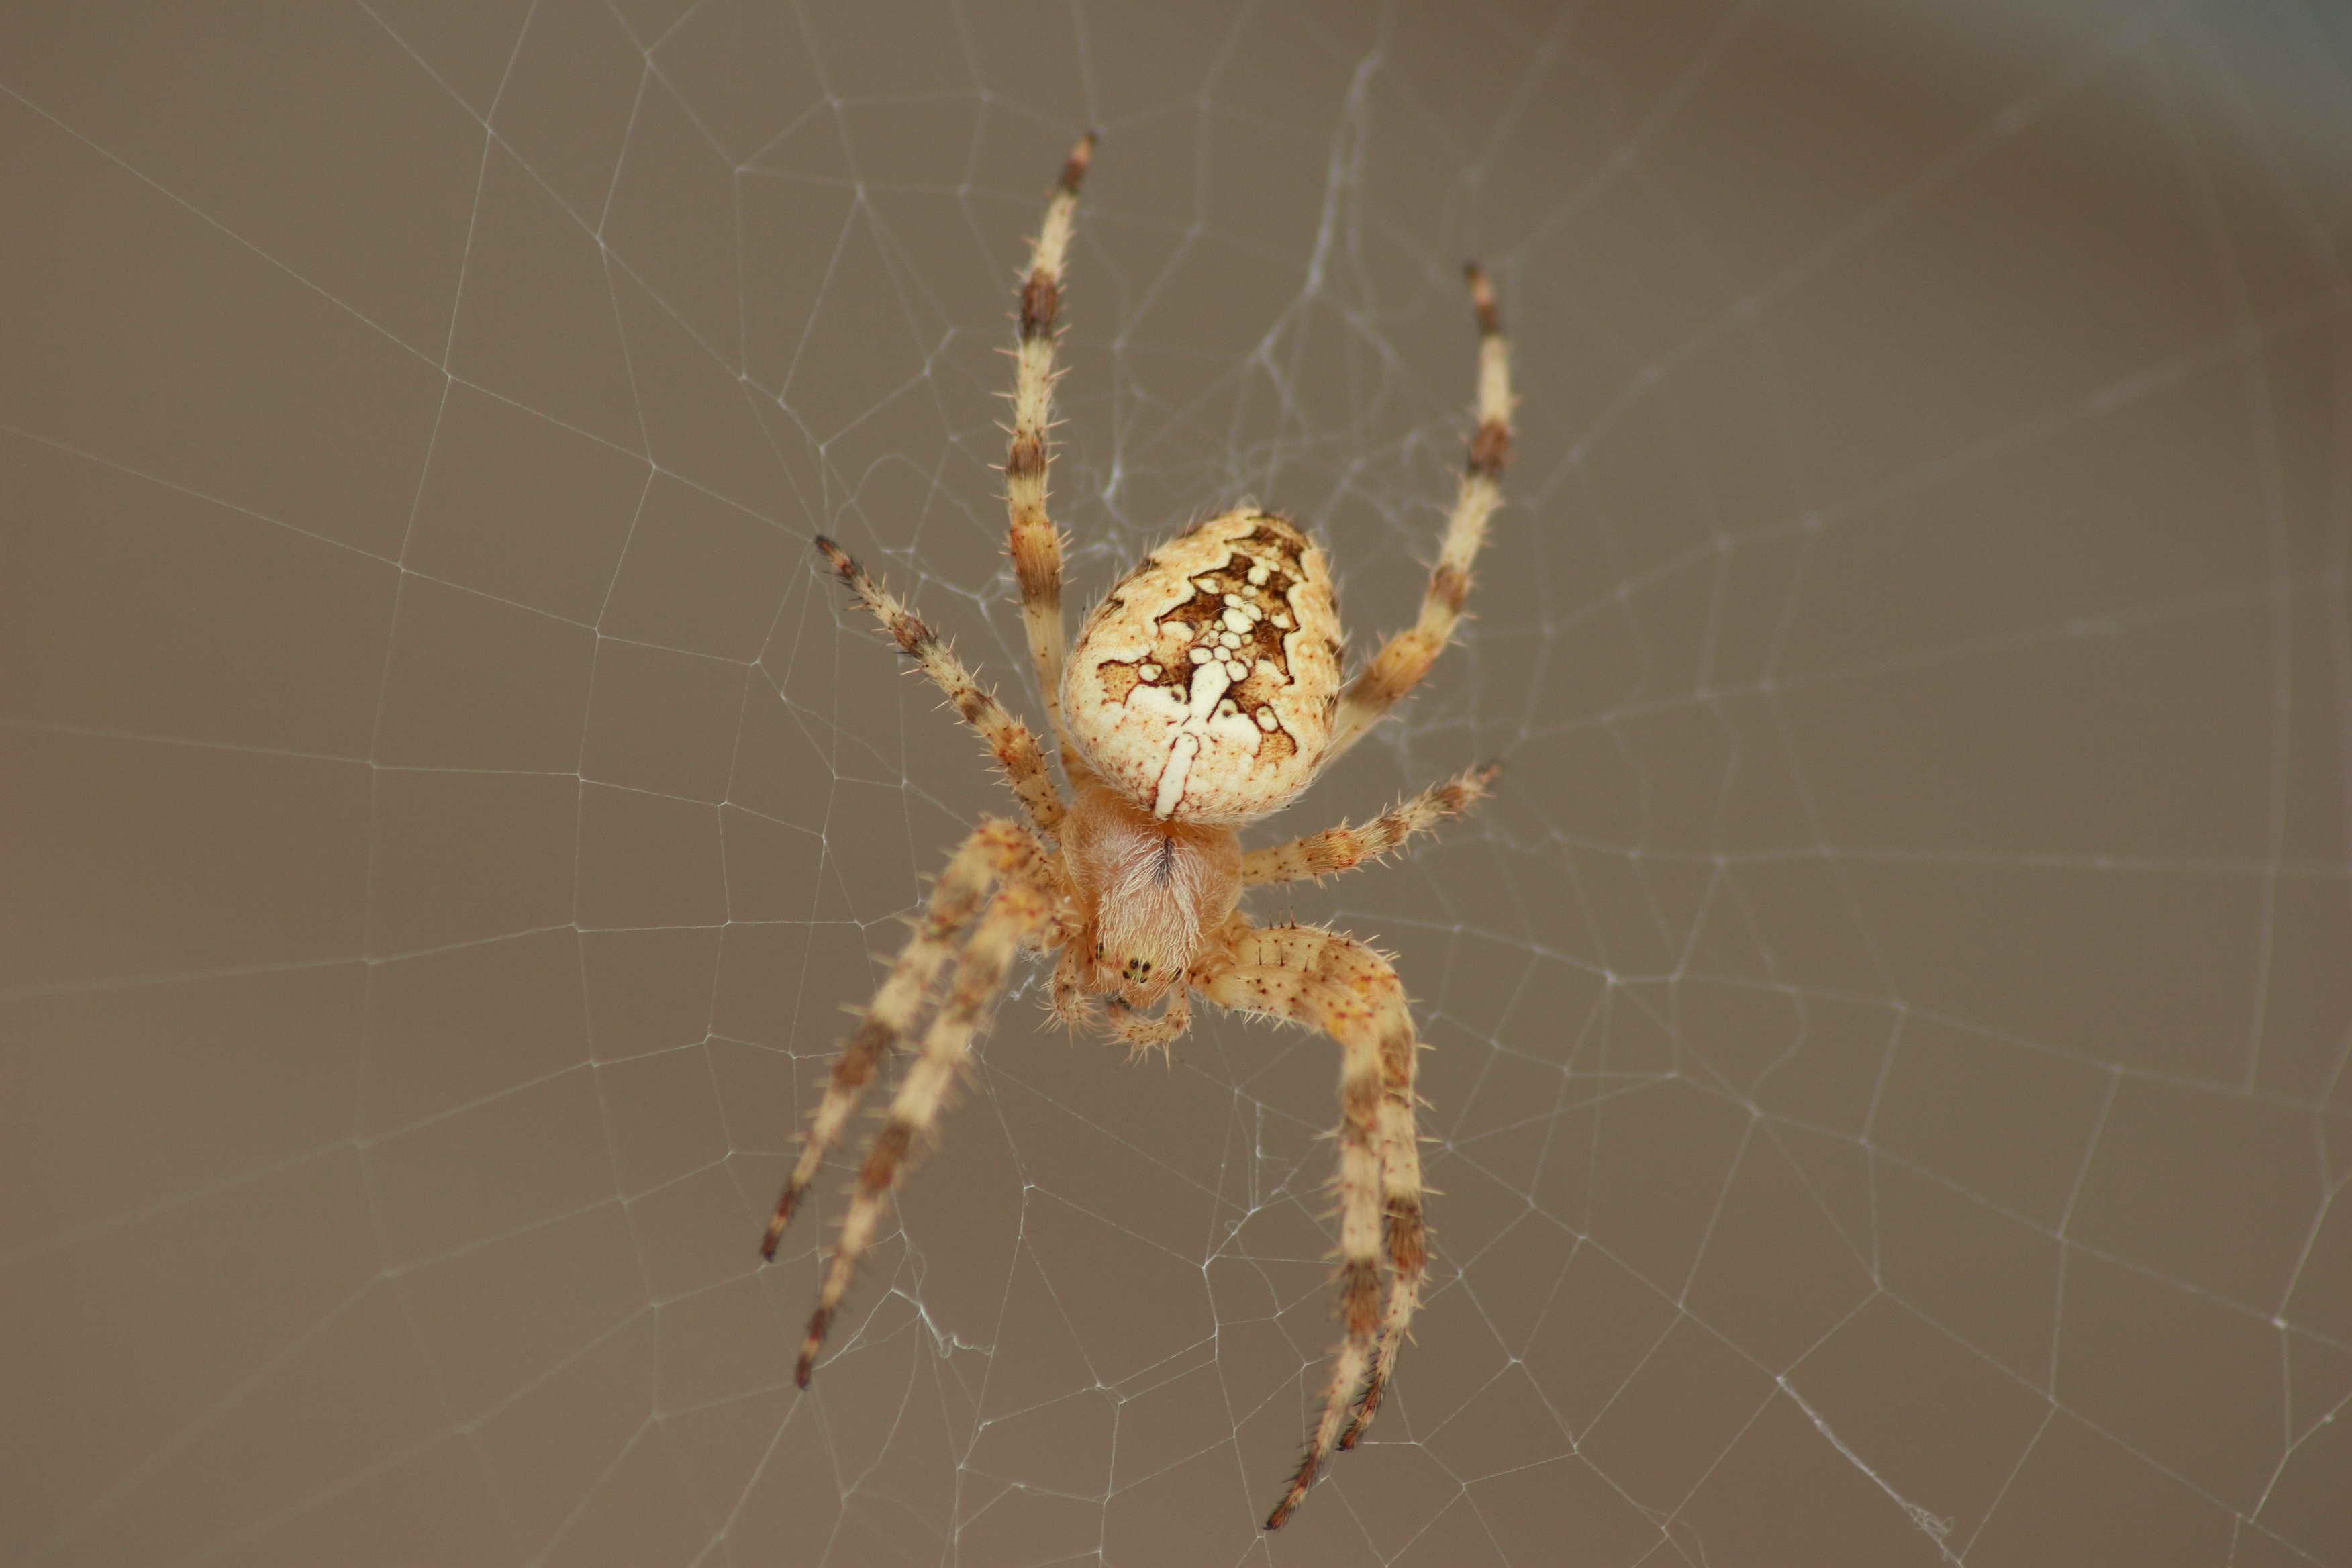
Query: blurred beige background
pixel 1889 1039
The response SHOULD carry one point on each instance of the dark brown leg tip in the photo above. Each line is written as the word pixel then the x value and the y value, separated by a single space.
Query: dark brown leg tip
pixel 819 1321
pixel 780 1222
pixel 1482 297
pixel 1081 156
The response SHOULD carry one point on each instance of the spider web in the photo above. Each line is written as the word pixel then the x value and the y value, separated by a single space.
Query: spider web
pixel 1888 1039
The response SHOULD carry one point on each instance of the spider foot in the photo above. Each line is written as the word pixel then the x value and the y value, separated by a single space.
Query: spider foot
pixel 783 1217
pixel 1366 1408
pixel 819 1321
pixel 1299 1485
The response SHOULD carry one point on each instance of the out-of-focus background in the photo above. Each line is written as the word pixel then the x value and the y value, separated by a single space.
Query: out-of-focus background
pixel 1887 1040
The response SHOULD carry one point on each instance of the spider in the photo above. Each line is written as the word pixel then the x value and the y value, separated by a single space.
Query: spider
pixel 1204 692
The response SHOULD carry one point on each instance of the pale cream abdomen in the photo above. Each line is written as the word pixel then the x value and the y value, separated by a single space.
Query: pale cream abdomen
pixel 1201 688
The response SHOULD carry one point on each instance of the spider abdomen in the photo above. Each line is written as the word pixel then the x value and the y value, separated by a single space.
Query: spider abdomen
pixel 1202 686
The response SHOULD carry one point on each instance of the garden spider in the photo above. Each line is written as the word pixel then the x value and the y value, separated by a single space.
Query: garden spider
pixel 1204 692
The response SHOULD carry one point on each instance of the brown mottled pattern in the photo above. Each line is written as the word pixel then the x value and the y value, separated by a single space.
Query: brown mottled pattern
pixel 1120 677
pixel 1274 545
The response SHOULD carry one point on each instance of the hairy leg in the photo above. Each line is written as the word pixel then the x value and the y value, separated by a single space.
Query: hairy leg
pixel 1012 742
pixel 1326 980
pixel 1021 908
pixel 1406 656
pixel 963 887
pixel 1143 1031
pixel 1033 541
pixel 1072 1007
pixel 1343 848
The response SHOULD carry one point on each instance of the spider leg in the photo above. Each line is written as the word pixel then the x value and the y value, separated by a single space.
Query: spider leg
pixel 1142 1031
pixel 1071 1006
pixel 1013 743
pixel 1304 975
pixel 1343 848
pixel 1022 906
pixel 963 887
pixel 1407 655
pixel 1034 542
pixel 1401 1190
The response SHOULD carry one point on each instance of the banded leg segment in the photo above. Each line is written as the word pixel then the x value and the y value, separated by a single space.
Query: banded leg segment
pixel 963 887
pixel 1013 743
pixel 1033 541
pixel 1021 908
pixel 1398 667
pixel 1304 975
pixel 1402 1194
pixel 1343 848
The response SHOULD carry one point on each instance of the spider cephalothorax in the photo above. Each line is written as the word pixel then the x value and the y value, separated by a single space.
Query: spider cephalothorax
pixel 1204 692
